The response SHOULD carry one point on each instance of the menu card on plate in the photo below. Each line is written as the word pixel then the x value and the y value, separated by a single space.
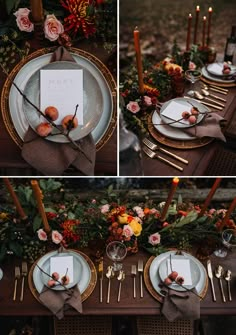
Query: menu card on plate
pixel 182 266
pixel 62 89
pixel 62 265
pixel 174 111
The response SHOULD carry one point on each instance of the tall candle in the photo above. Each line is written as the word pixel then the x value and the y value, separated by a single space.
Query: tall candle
pixel 209 25
pixel 196 25
pixel 138 60
pixel 15 198
pixel 38 196
pixel 189 32
pixel 210 196
pixel 204 31
pixel 228 213
pixel 36 10
pixel 174 185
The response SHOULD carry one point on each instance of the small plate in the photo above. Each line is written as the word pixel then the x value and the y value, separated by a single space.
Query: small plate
pixel 216 69
pixel 216 79
pixel 77 272
pixel 194 269
pixel 172 111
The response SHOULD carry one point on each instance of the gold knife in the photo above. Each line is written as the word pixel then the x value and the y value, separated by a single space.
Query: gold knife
pixel 210 275
pixel 140 270
pixel 100 275
pixel 17 276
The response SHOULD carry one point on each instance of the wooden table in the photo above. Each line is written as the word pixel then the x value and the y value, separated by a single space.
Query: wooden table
pixel 127 306
pixel 11 162
pixel 199 158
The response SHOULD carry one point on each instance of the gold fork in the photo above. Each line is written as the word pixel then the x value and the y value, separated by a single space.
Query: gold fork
pixel 24 272
pixel 17 276
pixel 152 154
pixel 153 146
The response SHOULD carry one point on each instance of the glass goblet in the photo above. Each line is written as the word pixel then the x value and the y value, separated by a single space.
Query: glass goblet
pixel 116 251
pixel 1 274
pixel 228 242
pixel 193 76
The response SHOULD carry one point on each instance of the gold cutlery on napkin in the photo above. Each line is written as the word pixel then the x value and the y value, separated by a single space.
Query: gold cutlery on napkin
pixel 134 273
pixel 120 277
pixel 210 275
pixel 228 277
pixel 140 270
pixel 24 272
pixel 219 274
pixel 110 274
pixel 17 276
pixel 100 275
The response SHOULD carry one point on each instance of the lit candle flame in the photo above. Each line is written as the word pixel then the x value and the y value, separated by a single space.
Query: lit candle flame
pixel 198 8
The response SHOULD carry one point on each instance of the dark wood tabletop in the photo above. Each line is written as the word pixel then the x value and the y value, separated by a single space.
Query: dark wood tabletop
pixel 127 305
pixel 11 162
pixel 199 158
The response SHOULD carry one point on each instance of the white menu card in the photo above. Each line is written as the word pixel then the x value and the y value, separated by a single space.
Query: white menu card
pixel 174 111
pixel 182 266
pixel 62 265
pixel 62 89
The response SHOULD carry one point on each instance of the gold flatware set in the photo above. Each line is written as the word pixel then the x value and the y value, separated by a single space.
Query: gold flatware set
pixel 18 274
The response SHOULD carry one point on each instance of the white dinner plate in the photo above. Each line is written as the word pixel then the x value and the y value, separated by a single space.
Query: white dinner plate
pixel 77 271
pixel 155 277
pixel 172 111
pixel 85 271
pixel 194 270
pixel 216 69
pixel 216 79
pixel 92 102
pixel 16 101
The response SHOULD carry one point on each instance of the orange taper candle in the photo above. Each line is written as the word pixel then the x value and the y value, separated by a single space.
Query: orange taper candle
pixel 209 25
pixel 39 196
pixel 189 32
pixel 204 31
pixel 228 213
pixel 15 199
pixel 210 196
pixel 138 60
pixel 36 10
pixel 196 25
pixel 174 185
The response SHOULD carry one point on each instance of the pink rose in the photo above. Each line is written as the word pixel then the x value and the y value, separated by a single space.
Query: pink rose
pixel 94 201
pixel 52 28
pixel 147 100
pixel 127 231
pixel 56 237
pixel 133 107
pixel 191 66
pixel 105 208
pixel 42 235
pixel 22 20
pixel 154 239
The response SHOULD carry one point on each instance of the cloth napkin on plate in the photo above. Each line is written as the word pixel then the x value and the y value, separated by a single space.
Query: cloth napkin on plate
pixel 51 158
pixel 59 301
pixel 209 127
pixel 180 305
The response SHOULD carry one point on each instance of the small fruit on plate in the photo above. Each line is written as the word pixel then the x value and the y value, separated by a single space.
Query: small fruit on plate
pixel 44 129
pixel 185 115
pixel 179 280
pixel 192 119
pixel 173 275
pixel 51 283
pixel 69 122
pixel 226 71
pixel 65 280
pixel 55 275
pixel 167 281
pixel 52 113
pixel 194 111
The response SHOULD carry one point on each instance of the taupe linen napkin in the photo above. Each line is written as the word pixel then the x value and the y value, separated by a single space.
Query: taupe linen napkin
pixel 180 305
pixel 209 127
pixel 51 158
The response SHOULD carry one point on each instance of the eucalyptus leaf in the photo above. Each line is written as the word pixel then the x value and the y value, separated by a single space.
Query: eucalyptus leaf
pixel 71 216
pixel 192 216
pixel 37 223
pixel 11 4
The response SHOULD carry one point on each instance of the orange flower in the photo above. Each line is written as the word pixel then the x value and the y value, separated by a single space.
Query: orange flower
pixel 151 90
pixel 146 211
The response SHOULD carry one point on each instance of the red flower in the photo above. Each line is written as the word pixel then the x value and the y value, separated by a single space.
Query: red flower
pixel 51 215
pixel 81 16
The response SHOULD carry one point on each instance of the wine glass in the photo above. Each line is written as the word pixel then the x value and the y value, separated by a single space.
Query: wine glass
pixel 193 76
pixel 116 251
pixel 1 274
pixel 228 242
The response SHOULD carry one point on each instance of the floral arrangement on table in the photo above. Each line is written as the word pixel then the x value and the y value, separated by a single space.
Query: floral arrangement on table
pixel 73 223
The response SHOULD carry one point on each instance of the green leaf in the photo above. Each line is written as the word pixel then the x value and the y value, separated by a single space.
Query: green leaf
pixel 43 184
pixel 11 4
pixel 192 216
pixel 49 209
pixel 110 189
pixel 37 222
pixel 71 216
pixel 16 248
pixel 3 251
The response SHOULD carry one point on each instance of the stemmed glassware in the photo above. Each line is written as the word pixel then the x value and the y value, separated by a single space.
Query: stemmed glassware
pixel 116 251
pixel 1 274
pixel 193 76
pixel 228 242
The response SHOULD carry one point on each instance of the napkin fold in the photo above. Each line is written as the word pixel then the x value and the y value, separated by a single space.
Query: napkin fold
pixel 180 305
pixel 51 158
pixel 210 126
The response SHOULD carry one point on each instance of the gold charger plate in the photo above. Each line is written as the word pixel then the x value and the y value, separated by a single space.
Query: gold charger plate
pixel 101 67
pixel 177 144
pixel 216 83
pixel 151 289
pixel 88 291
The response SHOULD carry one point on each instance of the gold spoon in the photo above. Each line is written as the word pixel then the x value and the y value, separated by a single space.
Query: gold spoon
pixel 110 274
pixel 206 93
pixel 228 277
pixel 120 277
pixel 219 274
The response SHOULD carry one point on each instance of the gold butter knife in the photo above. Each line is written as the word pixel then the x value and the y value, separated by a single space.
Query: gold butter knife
pixel 24 272
pixel 17 276
pixel 140 270
pixel 100 275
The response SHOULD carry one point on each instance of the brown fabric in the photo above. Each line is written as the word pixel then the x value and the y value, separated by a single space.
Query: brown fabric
pixel 51 158
pixel 180 305
pixel 209 127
